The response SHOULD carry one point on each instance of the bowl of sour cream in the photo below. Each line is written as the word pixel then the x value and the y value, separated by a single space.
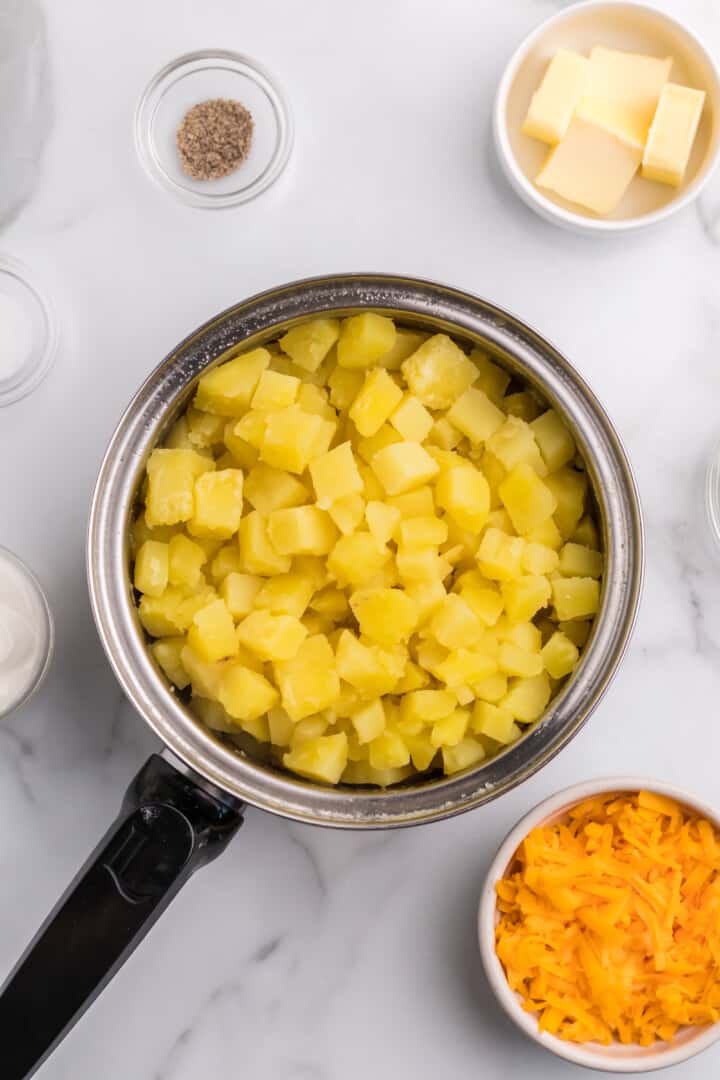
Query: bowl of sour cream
pixel 26 633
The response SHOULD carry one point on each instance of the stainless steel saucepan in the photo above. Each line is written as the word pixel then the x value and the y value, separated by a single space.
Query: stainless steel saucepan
pixel 188 801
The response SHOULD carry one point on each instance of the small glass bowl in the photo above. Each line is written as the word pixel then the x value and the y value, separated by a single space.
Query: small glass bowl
pixel 18 283
pixel 37 610
pixel 202 76
pixel 712 495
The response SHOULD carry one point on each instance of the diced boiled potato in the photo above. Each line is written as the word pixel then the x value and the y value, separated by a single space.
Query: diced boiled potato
pixel 547 534
pixel 527 698
pixel 482 596
pixel 438 372
pixel 575 597
pixel 239 592
pixel 494 472
pixel 578 630
pixel 463 755
pixel 167 614
pixel 427 706
pixel 308 682
pixel 587 534
pixel 335 475
pixel 243 453
pixel 257 553
pixel 418 503
pixel 412 419
pixel 569 488
pixel 301 530
pixel 347 513
pixel 451 729
pixel 314 399
pixel 331 602
pixel 523 405
pixel 367 448
pixel 463 666
pixel 204 676
pixel 268 489
pixel 526 635
pixel 212 633
pixel 290 439
pixel 271 637
pixel 309 343
pixel 495 722
pixel 286 594
pixel 382 521
pixel 251 428
pixel 323 758
pixel 203 429
pixel 152 568
pixel 500 556
pixel 455 625
pixel 428 595
pixel 171 483
pixel 514 660
pixel 526 498
pixel 369 721
pixel 492 379
pixel 384 615
pixel 178 437
pixel 246 694
pixel 228 389
pixel 280 726
pixel 218 504
pixel 474 414
pixel 275 391
pixel 444 435
pixel 344 386
pixel 415 678
pixel 388 751
pixel 465 494
pixel 514 444
pixel 371 670
pixel 376 400
pixel 525 596
pixel 557 445
pixel 310 728
pixel 493 688
pixel 418 531
pixel 403 466
pixel 364 339
pixel 576 560
pixel 167 652
pixel 406 342
pixel 560 655
pixel 422 751
pixel 356 558
pixel 539 559
pixel 421 564
pixel 212 714
pixel 186 559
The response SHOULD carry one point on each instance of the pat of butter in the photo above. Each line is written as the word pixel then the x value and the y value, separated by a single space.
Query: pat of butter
pixel 629 80
pixel 553 103
pixel 592 166
pixel 672 134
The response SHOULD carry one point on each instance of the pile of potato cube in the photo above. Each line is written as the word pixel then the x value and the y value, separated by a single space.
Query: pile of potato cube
pixel 368 551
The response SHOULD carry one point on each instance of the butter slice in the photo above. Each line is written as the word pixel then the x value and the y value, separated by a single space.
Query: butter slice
pixel 553 103
pixel 672 134
pixel 629 80
pixel 592 166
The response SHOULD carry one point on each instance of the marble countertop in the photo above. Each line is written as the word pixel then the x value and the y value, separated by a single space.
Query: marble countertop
pixel 305 954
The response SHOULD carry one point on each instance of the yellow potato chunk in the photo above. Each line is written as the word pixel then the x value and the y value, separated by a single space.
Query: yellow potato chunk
pixel 463 755
pixel 403 466
pixel 357 558
pixel 539 559
pixel 525 596
pixel 576 560
pixel 344 385
pixel 228 389
pixel 242 452
pixel 347 513
pixel 301 530
pixel 450 729
pixel 275 391
pixel 371 670
pixel 514 660
pixel 268 489
pixel 308 682
pixel 290 439
pixel 323 758
pixel 406 342
pixel 427 706
pixel 438 372
pixel 152 568
pixel 369 447
pixel 455 625
pixel 388 751
pixel 186 559
pixel 587 534
pixel 384 615
pixel 212 633
pixel 271 637
pixel 569 487
pixel 418 531
pixel 526 498
pixel 495 722
pixel 412 420
pixel 239 592
pixel 364 339
pixel 560 655
pixel 369 721
pixel 500 556
pixel 203 429
pixel 309 343
pixel 527 698
pixel 257 553
pixel 382 521
pixel 556 444
pixel 246 694
pixel 546 534
pixel 463 666
pixel 171 483
pixel 218 504
pixel 167 652
pixel 464 493
pixel 335 475
pixel 444 435
pixel 523 405
pixel 493 688
pixel 514 444
pixel 377 398
pixel 575 597
pixel 475 415
pixel 286 594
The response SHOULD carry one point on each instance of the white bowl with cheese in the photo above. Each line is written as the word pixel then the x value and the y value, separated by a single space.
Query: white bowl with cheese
pixel 617 25
pixel 617 1057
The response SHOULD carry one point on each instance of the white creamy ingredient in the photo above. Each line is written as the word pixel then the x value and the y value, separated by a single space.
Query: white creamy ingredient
pixel 24 639
pixel 16 337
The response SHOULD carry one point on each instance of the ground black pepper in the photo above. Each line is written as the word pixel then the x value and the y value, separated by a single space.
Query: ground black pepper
pixel 214 138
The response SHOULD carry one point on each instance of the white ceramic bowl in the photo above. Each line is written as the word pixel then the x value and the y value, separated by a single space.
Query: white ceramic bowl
pixel 615 1058
pixel 617 24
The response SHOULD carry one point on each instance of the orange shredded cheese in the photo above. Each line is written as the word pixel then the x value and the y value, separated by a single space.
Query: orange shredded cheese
pixel 609 921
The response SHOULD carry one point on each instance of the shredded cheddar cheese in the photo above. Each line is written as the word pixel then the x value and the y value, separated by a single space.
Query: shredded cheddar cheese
pixel 609 921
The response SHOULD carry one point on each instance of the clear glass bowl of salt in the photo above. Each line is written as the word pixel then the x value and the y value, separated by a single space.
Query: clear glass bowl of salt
pixel 28 332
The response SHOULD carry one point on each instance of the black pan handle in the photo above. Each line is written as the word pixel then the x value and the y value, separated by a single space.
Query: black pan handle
pixel 168 827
